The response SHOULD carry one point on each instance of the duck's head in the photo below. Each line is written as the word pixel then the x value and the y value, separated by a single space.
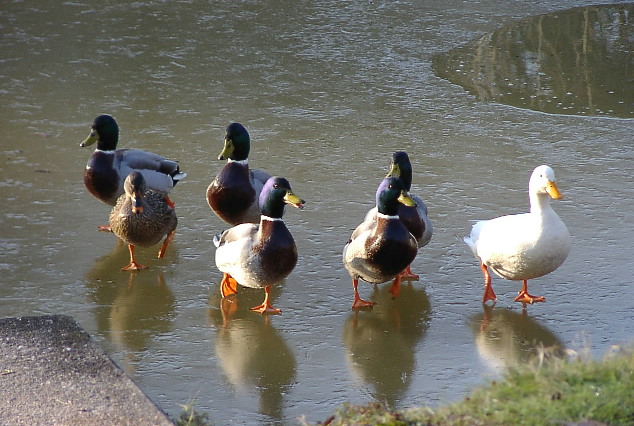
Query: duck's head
pixel 237 143
pixel 105 132
pixel 401 168
pixel 543 182
pixel 390 193
pixel 275 194
pixel 134 187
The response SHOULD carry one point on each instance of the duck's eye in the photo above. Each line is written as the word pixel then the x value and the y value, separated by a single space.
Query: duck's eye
pixel 276 186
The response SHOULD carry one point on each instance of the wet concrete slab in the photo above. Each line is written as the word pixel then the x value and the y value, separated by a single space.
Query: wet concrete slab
pixel 53 372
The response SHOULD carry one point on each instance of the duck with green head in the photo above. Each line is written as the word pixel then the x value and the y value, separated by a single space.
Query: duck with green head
pixel 415 217
pixel 381 247
pixel 141 217
pixel 233 195
pixel 259 255
pixel 108 166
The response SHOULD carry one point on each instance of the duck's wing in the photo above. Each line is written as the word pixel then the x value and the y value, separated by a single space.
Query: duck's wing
pixel 504 235
pixel 258 179
pixel 160 173
pixel 244 231
pixel 420 205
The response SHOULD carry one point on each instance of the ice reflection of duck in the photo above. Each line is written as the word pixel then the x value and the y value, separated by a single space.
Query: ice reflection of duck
pixel 254 356
pixel 380 343
pixel 506 338
pixel 130 309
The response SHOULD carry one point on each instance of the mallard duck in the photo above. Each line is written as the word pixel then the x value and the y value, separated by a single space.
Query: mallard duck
pixel 415 218
pixel 380 248
pixel 233 195
pixel 259 255
pixel 141 217
pixel 108 166
pixel 523 246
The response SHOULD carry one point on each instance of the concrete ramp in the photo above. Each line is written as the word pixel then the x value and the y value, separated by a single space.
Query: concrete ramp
pixel 52 372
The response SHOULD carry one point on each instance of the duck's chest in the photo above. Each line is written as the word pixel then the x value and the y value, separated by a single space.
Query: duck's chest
pixel 231 191
pixel 101 178
pixel 412 221
pixel 391 246
pixel 276 250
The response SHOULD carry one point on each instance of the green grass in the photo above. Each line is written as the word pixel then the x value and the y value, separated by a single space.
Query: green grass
pixel 555 391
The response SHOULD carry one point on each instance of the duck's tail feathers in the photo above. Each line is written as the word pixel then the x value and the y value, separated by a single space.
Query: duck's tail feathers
pixel 178 175
pixel 218 239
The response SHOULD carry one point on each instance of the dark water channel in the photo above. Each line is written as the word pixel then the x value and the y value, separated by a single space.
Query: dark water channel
pixel 328 90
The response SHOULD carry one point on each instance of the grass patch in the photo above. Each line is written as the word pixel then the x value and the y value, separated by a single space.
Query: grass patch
pixel 547 391
pixel 190 417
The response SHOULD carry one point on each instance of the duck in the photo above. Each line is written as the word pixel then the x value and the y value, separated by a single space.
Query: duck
pixel 523 246
pixel 141 217
pixel 415 218
pixel 108 167
pixel 381 247
pixel 234 193
pixel 263 254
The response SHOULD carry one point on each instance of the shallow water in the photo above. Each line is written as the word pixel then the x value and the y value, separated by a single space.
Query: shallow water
pixel 328 90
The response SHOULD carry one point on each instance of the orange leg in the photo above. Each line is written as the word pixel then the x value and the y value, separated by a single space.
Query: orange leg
pixel 489 294
pixel 358 302
pixel 134 265
pixel 104 228
pixel 228 285
pixel 524 297
pixel 265 307
pixel 395 289
pixel 407 274
pixel 169 201
pixel 168 240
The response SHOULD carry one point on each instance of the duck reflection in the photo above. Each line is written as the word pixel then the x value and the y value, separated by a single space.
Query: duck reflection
pixel 380 343
pixel 506 338
pixel 130 308
pixel 567 62
pixel 251 352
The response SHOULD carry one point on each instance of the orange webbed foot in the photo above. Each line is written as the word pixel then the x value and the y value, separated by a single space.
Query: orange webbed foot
pixel 408 275
pixel 134 266
pixel 360 303
pixel 524 297
pixel 265 307
pixel 228 285
pixel 489 294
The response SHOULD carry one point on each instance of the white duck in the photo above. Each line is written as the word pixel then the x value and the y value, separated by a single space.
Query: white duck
pixel 523 246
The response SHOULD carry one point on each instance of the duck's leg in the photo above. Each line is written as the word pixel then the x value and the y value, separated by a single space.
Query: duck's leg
pixel 134 265
pixel 408 275
pixel 395 288
pixel 358 302
pixel 489 294
pixel 169 201
pixel 104 228
pixel 265 307
pixel 524 297
pixel 228 285
pixel 168 239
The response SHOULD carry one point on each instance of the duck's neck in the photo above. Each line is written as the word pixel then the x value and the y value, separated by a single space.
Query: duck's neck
pixel 380 215
pixel 539 202
pixel 244 162
pixel 270 219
